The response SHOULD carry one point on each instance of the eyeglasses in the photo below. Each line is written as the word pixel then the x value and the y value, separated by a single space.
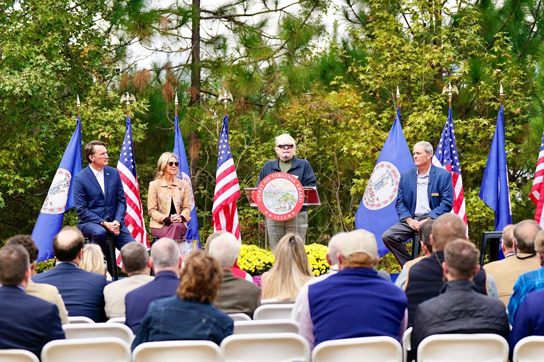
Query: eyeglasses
pixel 285 147
pixel 173 164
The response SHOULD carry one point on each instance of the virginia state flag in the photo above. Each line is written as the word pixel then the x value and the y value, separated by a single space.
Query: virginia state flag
pixel 494 190
pixel 377 212
pixel 192 234
pixel 59 198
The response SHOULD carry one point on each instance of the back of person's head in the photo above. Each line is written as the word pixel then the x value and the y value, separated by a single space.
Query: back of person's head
pixel 508 237
pixel 93 259
pixel 26 242
pixel 225 248
pixel 334 248
pixel 290 271
pixel 524 233
pixel 68 243
pixel 539 242
pixel 200 278
pixel 447 228
pixel 14 264
pixel 134 257
pixel 359 250
pixel 165 254
pixel 424 234
pixel 461 258
pixel 213 237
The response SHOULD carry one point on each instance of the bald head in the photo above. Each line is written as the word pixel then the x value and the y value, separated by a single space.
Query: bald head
pixel 225 248
pixel 524 234
pixel 165 255
pixel 68 243
pixel 447 228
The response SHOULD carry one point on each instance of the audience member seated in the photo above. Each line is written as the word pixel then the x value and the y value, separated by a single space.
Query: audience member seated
pixel 356 301
pixel 529 319
pixel 190 314
pixel 528 282
pixel 426 278
pixel 424 234
pixel 81 290
pixel 46 292
pixel 93 260
pixel 26 322
pixel 332 259
pixel 166 260
pixel 518 247
pixel 290 271
pixel 236 294
pixel 459 308
pixel 136 265
pixel 236 271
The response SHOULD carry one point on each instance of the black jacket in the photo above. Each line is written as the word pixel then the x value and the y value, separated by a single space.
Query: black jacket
pixel 459 309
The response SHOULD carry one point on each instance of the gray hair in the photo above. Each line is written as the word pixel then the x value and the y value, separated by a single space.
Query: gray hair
pixel 165 253
pixel 286 138
pixel 334 247
pixel 225 248
pixel 426 145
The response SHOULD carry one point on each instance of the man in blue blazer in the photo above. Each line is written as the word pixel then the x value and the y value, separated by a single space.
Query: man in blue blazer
pixel 100 200
pixel 26 322
pixel 166 260
pixel 425 192
pixel 81 290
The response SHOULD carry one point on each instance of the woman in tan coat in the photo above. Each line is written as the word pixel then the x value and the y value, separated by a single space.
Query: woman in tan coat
pixel 168 200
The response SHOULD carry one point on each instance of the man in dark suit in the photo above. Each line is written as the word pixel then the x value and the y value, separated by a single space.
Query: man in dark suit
pixel 425 192
pixel 236 295
pixel 166 261
pixel 26 322
pixel 81 291
pixel 100 200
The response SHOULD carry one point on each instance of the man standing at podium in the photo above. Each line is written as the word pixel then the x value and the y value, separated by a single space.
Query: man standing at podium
pixel 301 169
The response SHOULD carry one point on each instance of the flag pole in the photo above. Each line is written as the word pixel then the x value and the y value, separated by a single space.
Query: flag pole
pixel 501 93
pixel 78 105
pixel 128 105
pixel 398 97
pixel 176 104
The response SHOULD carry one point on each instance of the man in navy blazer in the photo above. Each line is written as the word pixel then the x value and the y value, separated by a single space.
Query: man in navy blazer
pixel 26 322
pixel 425 192
pixel 166 260
pixel 99 199
pixel 82 291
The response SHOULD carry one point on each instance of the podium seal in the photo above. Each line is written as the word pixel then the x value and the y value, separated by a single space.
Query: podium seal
pixel 280 196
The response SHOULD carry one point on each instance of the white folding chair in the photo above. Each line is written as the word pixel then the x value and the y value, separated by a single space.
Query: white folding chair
pixel 273 311
pixel 108 349
pixel 407 343
pixel 266 326
pixel 17 355
pixel 374 349
pixel 270 347
pixel 177 351
pixel 80 319
pixel 239 317
pixel 117 320
pixel 99 330
pixel 479 347
pixel 529 349
pixel 276 301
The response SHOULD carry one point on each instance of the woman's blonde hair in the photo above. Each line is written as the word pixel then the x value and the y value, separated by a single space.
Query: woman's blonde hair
pixel 161 164
pixel 93 259
pixel 290 271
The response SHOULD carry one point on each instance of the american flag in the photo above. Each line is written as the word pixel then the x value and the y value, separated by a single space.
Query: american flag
pixel 134 217
pixel 537 190
pixel 446 156
pixel 227 189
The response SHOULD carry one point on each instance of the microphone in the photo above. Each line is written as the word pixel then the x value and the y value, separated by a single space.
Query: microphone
pixel 285 158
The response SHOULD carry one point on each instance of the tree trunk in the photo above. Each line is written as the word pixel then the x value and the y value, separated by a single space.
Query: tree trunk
pixel 195 53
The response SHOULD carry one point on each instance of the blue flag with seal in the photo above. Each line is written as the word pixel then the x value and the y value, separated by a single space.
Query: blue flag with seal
pixel 494 190
pixel 192 234
pixel 59 198
pixel 376 212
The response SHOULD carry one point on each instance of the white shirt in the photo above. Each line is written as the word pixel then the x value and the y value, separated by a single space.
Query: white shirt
pixel 422 198
pixel 100 178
